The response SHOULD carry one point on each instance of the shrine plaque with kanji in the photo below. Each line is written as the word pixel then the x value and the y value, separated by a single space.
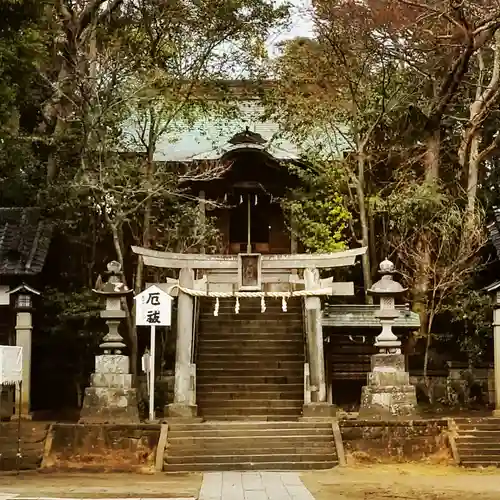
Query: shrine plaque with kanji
pixel 249 271
pixel 153 307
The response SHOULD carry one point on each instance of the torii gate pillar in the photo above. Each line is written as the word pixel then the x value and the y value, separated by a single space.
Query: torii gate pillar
pixel 184 404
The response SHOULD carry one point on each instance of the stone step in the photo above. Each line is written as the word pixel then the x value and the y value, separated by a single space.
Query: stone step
pixel 205 367
pixel 483 461
pixel 249 388
pixel 479 452
pixel 237 371
pixel 480 443
pixel 242 318
pixel 272 340
pixel 271 313
pixel 272 304
pixel 319 449
pixel 489 434
pixel 251 361
pixel 248 429
pixel 477 420
pixel 481 427
pixel 251 343
pixel 10 462
pixel 244 333
pixel 245 466
pixel 250 347
pixel 221 378
pixel 264 397
pixel 237 443
pixel 285 402
pixel 265 411
pixel 257 458
pixel 250 418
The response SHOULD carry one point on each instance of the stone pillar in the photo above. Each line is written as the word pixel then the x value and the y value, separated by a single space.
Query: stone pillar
pixel 24 328
pixel 111 397
pixel 183 405
pixel 388 393
pixel 316 357
pixel 496 351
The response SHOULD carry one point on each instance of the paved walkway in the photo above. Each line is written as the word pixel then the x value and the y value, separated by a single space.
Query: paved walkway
pixel 253 486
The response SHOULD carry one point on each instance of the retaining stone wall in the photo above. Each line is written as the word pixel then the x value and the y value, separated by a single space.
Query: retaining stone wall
pixel 117 448
pixel 400 441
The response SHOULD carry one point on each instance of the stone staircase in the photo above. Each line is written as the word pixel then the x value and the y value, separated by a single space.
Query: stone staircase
pixel 32 441
pixel 216 446
pixel 478 441
pixel 250 365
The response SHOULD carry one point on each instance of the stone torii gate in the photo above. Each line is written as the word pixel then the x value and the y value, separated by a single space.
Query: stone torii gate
pixel 250 275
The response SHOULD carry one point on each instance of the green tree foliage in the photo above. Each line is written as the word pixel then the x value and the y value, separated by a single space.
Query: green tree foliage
pixel 318 209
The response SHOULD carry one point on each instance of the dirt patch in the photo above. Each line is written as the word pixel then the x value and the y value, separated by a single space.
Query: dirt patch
pixel 38 484
pixel 403 482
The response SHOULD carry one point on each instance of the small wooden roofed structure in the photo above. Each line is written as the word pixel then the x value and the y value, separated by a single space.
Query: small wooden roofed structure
pixel 363 316
pixel 494 232
pixel 24 242
pixel 25 238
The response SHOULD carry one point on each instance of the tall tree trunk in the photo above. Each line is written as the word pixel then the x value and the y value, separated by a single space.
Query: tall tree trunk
pixel 421 288
pixel 148 206
pixel 472 176
pixel 373 243
pixel 431 158
pixel 363 220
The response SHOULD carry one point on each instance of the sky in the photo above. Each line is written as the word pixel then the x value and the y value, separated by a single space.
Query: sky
pixel 300 24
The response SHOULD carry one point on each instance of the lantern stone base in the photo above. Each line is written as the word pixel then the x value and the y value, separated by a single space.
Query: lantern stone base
pixel 111 397
pixel 181 411
pixel 388 394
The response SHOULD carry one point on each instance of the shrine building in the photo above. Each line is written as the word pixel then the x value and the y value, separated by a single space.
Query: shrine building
pixel 251 333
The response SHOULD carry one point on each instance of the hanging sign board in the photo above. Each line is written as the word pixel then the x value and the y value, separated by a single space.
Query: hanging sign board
pixel 11 364
pixel 153 307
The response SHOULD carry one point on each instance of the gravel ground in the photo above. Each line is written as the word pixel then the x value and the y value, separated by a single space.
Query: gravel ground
pixel 403 482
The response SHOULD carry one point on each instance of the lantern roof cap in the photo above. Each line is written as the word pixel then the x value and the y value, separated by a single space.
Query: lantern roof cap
pixel 24 288
pixel 386 284
pixel 114 286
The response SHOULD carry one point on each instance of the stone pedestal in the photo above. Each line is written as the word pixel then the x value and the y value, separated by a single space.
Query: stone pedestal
pixel 319 411
pixel 111 397
pixel 388 394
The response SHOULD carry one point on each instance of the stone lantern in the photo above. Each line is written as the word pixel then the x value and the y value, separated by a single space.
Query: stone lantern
pixel 388 393
pixel 23 305
pixel 387 290
pixel 111 397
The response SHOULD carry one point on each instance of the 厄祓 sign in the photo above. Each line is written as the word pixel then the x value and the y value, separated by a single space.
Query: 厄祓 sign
pixel 153 307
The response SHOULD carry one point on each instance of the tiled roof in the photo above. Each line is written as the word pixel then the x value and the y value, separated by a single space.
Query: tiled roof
pixel 24 241
pixel 209 137
pixel 494 230
pixel 361 315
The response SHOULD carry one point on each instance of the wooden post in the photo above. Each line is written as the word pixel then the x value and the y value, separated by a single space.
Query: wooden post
pixel 24 329
pixel 314 332
pixel 203 216
pixel 496 352
pixel 182 405
pixel 294 247
pixel 249 225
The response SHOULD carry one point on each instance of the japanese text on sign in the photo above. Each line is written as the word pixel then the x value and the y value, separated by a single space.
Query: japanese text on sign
pixel 153 307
